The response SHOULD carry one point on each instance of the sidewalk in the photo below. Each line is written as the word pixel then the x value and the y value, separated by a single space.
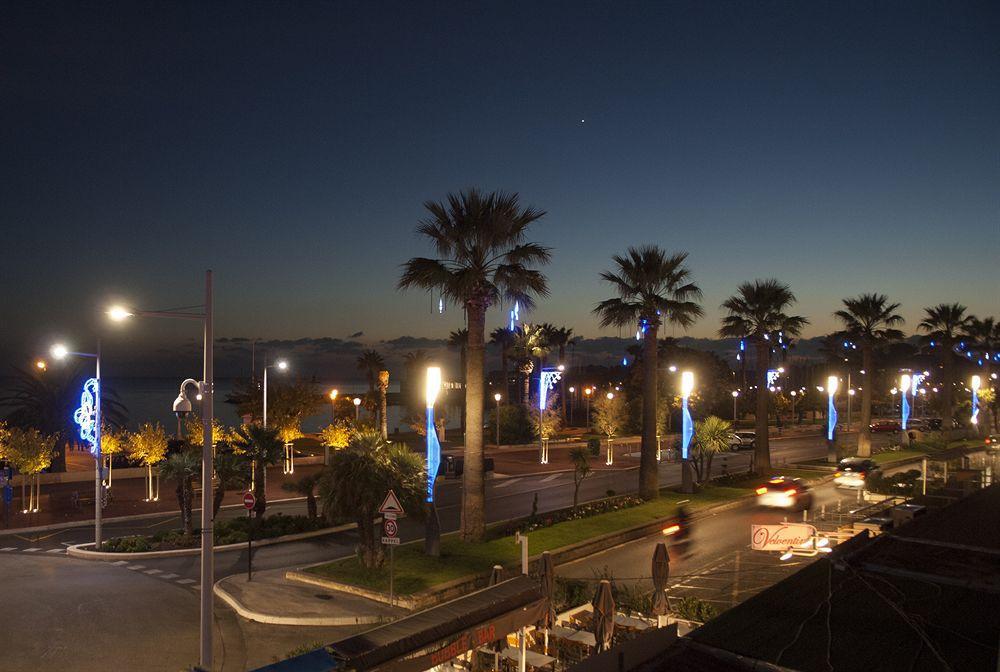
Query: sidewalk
pixel 271 598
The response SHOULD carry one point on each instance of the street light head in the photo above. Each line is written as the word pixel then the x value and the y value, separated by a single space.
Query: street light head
pixel 850 392
pixel 356 401
pixel 611 395
pixel 904 383
pixel 433 385
pixel 572 389
pixel 561 367
pixel 794 393
pixel 976 382
pixel 781 369
pixel 282 365
pixel 736 393
pixel 832 383
pixel 41 365
pixel 119 313
pixel 59 351
pixel 672 369
pixel 687 383
pixel 333 395
pixel 497 397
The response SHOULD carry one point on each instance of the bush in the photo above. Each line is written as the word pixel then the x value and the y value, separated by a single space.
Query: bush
pixel 515 425
pixel 136 544
pixel 229 531
pixel 904 484
pixel 693 609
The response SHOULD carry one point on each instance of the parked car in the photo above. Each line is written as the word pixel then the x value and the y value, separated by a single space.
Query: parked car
pixel 743 440
pixel 881 426
pixel 853 471
pixel 782 492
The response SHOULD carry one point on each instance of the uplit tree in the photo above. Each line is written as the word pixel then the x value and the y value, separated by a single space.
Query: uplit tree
pixel 654 288
pixel 148 447
pixel 30 452
pixel 483 257
pixel 609 414
pixel 758 312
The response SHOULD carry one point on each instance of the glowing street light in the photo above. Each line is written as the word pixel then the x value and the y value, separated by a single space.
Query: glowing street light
pixel 333 403
pixel 119 313
pixel 357 406
pixel 687 431
pixel 831 422
pixel 432 534
pixel 587 391
pixel 41 365
pixel 281 365
pixel 736 395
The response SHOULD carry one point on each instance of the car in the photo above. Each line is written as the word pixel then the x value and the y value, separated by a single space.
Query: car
pixel 743 440
pixel 852 472
pixel 782 492
pixel 885 426
pixel 993 440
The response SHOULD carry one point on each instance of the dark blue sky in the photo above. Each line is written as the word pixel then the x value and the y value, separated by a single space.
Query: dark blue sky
pixel 841 147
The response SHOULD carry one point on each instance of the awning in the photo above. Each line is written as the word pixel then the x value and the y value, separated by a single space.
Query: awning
pixel 430 637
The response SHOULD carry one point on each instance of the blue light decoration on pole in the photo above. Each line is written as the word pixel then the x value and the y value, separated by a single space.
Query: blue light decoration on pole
pixel 86 416
pixel 547 379
pixel 831 421
pixel 904 386
pixel 515 315
pixel 432 525
pixel 976 383
pixel 687 431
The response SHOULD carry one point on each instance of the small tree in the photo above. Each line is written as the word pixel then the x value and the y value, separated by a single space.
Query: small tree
pixel 581 470
pixel 183 468
pixel 357 480
pixel 113 443
pixel 609 414
pixel 263 448
pixel 546 423
pixel 231 473
pixel 305 486
pixel 194 431
pixel 148 446
pixel 711 436
pixel 30 452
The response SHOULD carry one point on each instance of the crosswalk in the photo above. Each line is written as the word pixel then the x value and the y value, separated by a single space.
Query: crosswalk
pixel 125 564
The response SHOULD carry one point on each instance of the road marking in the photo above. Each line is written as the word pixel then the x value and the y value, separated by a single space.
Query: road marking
pixel 168 576
pixel 184 582
pixel 507 483
pixel 550 478
pixel 120 563
pixel 56 550
pixel 31 550
pixel 153 571
pixel 9 548
pixel 136 567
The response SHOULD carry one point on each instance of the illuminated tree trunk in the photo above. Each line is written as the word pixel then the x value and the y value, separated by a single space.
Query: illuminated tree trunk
pixel 473 482
pixel 383 388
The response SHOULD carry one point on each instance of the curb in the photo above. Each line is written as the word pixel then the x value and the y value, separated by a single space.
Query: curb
pixel 79 550
pixel 260 617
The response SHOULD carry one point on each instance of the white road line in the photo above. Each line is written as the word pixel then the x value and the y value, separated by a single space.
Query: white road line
pixel 153 571
pixel 167 577
pixel 120 563
pixel 550 478
pixel 507 483
pixel 136 567
pixel 184 582
pixel 56 550
pixel 31 550
pixel 9 548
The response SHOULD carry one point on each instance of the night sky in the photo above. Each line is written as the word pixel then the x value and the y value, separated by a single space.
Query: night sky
pixel 841 147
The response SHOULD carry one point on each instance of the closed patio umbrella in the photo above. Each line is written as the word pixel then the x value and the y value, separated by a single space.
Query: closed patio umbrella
pixel 547 578
pixel 661 574
pixel 496 576
pixel 604 615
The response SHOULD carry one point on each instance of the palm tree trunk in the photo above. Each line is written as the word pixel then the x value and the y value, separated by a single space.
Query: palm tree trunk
pixel 864 432
pixel 473 525
pixel 648 472
pixel 526 389
pixel 762 448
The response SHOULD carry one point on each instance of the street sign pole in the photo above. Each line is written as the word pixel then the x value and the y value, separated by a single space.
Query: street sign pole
pixel 392 576
pixel 248 502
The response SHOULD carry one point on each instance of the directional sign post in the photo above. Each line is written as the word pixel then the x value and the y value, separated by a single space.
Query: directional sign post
pixel 391 509
pixel 249 501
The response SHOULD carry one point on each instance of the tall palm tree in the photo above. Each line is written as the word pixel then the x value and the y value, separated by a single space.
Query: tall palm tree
pixel 263 448
pixel 869 319
pixel 944 324
pixel 503 338
pixel 529 344
pixel 482 258
pixel 654 287
pixel 370 362
pixel 184 468
pixel 756 311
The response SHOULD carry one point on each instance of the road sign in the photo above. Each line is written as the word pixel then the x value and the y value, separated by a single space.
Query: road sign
pixel 390 528
pixel 390 541
pixel 781 537
pixel 249 500
pixel 392 505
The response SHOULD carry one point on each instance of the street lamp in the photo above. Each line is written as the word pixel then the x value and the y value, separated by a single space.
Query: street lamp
pixel 89 420
pixel 432 534
pixel 687 431
pixel 497 397
pixel 587 391
pixel 357 406
pixel 850 397
pixel 736 395
pixel 572 393
pixel 119 314
pixel 280 365
pixel 333 403
pixel 831 420
pixel 794 394
pixel 611 455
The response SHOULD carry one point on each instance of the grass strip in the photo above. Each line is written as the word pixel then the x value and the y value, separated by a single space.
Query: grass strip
pixel 416 572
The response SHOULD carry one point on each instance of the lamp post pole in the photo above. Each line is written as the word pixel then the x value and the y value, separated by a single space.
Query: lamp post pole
pixel 498 397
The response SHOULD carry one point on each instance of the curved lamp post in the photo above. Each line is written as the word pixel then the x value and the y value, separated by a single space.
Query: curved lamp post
pixel 831 418
pixel 687 431
pixel 432 535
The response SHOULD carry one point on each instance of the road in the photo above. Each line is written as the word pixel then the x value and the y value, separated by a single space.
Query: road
pixel 149 603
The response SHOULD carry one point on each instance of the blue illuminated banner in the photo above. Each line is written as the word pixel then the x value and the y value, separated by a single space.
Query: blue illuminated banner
pixel 86 415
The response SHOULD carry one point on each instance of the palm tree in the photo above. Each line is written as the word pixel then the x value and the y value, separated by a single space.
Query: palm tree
pixel 504 339
pixel 944 324
pixel 305 486
pixel 529 343
pixel 757 311
pixel 263 448
pixel 383 392
pixel 183 468
pixel 357 479
pixel 712 436
pixel 370 363
pixel 230 474
pixel 482 258
pixel 653 288
pixel 869 319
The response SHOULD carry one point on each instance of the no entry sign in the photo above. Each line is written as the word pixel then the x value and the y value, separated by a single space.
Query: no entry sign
pixel 249 500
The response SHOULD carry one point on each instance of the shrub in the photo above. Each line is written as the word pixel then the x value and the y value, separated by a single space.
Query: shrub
pixel 694 609
pixel 906 483
pixel 135 544
pixel 228 531
pixel 515 425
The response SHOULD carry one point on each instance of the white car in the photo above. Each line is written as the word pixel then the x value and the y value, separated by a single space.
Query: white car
pixel 743 440
pixel 782 492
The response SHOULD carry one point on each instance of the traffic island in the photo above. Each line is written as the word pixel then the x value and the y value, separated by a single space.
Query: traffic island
pixel 422 581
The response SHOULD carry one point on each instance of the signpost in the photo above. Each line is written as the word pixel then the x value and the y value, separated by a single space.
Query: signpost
pixel 249 501
pixel 6 473
pixel 391 509
pixel 780 537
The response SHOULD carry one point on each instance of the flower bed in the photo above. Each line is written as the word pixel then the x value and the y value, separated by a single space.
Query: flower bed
pixel 228 531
